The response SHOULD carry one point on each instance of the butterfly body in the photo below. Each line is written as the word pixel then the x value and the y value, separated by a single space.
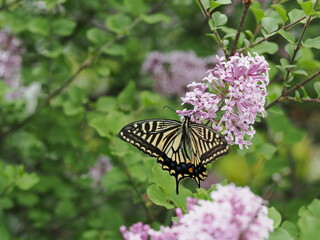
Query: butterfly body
pixel 182 148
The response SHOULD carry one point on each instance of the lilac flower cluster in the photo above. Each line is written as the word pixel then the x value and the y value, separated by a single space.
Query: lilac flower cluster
pixel 10 67
pixel 101 167
pixel 172 72
pixel 235 213
pixel 230 97
pixel 10 59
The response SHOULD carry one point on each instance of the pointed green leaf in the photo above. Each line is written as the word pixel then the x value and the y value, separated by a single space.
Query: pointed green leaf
pixel 218 19
pixel 39 26
pixel 127 95
pixel 275 216
pixel 280 234
pixel 158 196
pixel 307 7
pixel 63 26
pixel 291 228
pixel 155 18
pixel 97 36
pixel 269 24
pixel 312 43
pixel 265 47
pixel 287 35
pixel 27 180
pixel 281 11
pixel 118 23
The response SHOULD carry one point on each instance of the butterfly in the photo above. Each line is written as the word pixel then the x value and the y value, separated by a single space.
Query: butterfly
pixel 182 148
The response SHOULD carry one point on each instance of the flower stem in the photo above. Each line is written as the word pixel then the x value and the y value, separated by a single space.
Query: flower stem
pixel 247 4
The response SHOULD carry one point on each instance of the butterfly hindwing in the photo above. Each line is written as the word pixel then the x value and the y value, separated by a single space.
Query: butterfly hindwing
pixel 207 143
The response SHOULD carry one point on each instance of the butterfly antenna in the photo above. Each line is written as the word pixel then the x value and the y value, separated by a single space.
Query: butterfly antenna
pixel 169 108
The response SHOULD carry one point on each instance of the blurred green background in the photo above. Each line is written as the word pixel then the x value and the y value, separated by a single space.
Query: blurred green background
pixel 64 174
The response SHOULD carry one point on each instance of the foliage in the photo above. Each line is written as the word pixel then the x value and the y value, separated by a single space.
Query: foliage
pixel 86 58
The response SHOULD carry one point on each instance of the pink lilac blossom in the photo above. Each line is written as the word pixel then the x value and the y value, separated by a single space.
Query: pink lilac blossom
pixel 10 59
pixel 137 231
pixel 231 96
pixel 172 72
pixel 101 167
pixel 235 213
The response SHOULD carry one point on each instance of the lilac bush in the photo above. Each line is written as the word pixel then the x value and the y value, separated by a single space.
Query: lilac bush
pixel 172 72
pixel 234 213
pixel 231 96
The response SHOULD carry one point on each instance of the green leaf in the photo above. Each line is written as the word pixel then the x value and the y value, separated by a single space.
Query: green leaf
pixel 279 123
pixel 27 180
pixel 109 125
pixel 291 228
pixel 106 104
pixel 115 50
pixel 127 95
pixel 39 26
pixel 312 43
pixel 224 2
pixel 72 109
pixel 52 49
pixel 300 72
pixel 118 23
pixel 309 227
pixel 151 99
pixel 218 19
pixel 280 234
pixel 267 150
pixel 119 147
pixel 250 34
pixel 296 14
pixel 27 199
pixel 214 4
pixel 258 14
pixel 275 216
pixel 265 47
pixel 155 18
pixel 163 179
pixel 135 7
pixel 115 180
pixel 97 36
pixel 307 7
pixel 5 203
pixel 63 26
pixel 289 48
pixel 101 126
pixel 4 232
pixel 281 11
pixel 65 208
pixel 286 35
pixel 51 4
pixel 269 24
pixel 157 195
pixel 314 207
pixel 317 88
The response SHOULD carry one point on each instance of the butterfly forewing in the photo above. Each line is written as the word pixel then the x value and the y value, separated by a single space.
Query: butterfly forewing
pixel 150 136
